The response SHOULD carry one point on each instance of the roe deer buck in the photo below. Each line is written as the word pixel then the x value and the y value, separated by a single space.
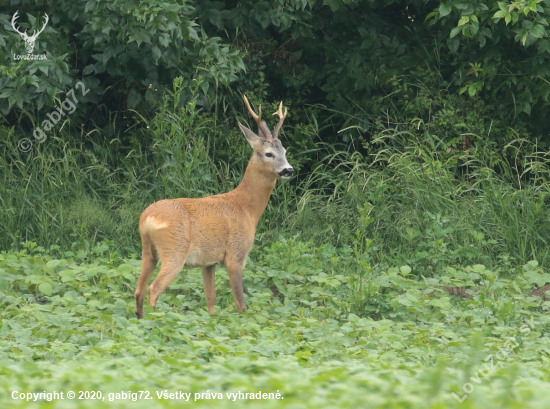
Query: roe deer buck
pixel 213 230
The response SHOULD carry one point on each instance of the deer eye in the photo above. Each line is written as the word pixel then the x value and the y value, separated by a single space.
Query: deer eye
pixel 269 155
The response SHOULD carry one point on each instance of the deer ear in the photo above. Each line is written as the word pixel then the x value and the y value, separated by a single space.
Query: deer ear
pixel 250 136
pixel 260 133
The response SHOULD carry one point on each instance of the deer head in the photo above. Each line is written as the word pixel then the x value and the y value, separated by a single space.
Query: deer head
pixel 29 40
pixel 267 146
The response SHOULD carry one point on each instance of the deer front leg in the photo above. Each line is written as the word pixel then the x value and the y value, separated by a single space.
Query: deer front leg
pixel 208 278
pixel 235 270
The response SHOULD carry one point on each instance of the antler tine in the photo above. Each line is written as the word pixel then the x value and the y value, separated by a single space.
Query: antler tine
pixel 258 119
pixel 43 27
pixel 281 120
pixel 15 16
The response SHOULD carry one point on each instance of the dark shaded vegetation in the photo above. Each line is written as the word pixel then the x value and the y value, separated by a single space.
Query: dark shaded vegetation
pixel 413 124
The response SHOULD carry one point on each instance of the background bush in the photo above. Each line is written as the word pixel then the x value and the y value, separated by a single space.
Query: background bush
pixel 413 125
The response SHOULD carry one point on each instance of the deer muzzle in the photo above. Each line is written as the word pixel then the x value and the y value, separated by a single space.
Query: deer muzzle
pixel 286 172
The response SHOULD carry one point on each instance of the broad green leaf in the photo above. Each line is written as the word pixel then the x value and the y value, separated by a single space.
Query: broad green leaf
pixel 156 53
pixel 405 270
pixel 45 288
pixel 53 263
pixel 453 44
pixel 333 4
pixel 445 9
pixel 455 31
pixel 463 20
pixel 538 31
pixel 507 18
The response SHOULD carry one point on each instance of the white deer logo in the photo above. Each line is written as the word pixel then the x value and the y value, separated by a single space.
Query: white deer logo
pixel 29 40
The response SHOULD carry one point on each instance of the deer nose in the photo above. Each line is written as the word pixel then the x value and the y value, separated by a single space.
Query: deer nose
pixel 286 172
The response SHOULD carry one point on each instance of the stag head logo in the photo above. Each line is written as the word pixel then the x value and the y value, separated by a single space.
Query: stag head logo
pixel 29 40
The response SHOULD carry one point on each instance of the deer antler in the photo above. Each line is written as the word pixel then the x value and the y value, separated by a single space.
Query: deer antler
pixel 35 34
pixel 281 120
pixel 258 119
pixel 15 16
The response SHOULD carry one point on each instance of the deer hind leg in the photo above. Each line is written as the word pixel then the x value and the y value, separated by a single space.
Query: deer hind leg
pixel 169 269
pixel 235 270
pixel 208 278
pixel 148 264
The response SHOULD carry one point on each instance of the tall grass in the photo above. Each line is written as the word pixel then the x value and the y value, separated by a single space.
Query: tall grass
pixel 76 189
pixel 417 200
pixel 410 198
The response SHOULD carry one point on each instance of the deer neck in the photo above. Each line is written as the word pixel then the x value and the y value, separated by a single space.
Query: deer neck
pixel 254 190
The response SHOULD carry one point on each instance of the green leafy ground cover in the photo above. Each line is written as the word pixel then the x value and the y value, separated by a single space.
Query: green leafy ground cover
pixel 315 334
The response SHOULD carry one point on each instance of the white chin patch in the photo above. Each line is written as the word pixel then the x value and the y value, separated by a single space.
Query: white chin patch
pixel 285 177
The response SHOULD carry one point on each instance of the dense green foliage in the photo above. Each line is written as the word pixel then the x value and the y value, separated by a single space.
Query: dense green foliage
pixel 123 50
pixel 366 59
pixel 69 325
pixel 411 198
pixel 424 76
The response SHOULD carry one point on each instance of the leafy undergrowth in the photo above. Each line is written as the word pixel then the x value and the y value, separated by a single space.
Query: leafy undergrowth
pixel 319 332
